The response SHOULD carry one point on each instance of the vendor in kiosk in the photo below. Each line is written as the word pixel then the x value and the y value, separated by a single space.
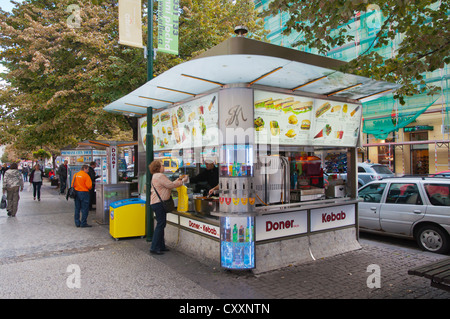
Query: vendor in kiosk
pixel 209 178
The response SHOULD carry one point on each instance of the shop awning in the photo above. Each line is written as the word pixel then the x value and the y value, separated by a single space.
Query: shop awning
pixel 250 62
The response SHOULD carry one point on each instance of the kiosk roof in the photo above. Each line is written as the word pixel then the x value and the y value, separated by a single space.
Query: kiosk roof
pixel 254 63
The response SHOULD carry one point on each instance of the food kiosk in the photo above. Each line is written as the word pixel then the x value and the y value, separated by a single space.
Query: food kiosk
pixel 107 187
pixel 268 116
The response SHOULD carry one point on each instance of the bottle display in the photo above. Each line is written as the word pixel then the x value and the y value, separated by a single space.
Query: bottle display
pixel 237 242
pixel 236 161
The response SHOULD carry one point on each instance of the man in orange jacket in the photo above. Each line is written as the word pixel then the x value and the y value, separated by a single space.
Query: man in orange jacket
pixel 82 183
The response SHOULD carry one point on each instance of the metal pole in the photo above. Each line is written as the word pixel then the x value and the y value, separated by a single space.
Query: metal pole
pixel 149 137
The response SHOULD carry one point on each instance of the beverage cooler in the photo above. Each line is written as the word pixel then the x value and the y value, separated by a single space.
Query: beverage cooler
pixel 107 194
pixel 237 202
pixel 237 244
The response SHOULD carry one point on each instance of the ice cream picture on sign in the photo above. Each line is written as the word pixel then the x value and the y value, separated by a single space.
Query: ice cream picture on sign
pixel 297 120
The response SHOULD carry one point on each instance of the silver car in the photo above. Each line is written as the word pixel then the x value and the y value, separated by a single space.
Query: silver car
pixel 413 207
pixel 368 172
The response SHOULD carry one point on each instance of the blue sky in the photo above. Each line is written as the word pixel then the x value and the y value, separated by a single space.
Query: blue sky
pixel 7 5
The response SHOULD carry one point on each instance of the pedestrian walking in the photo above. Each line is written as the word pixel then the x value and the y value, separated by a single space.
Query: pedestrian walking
pixel 36 176
pixel 12 184
pixel 82 183
pixel 62 173
pixel 25 172
pixel 3 170
pixel 160 192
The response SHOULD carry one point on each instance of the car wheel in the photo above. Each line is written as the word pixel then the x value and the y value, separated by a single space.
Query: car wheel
pixel 433 238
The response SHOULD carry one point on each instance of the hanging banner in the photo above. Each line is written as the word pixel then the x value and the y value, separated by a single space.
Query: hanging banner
pixel 168 15
pixel 130 24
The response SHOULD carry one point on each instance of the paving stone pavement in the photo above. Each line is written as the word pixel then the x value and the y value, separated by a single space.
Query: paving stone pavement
pixel 38 247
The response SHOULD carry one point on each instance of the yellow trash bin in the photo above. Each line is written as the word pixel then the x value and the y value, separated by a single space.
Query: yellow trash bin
pixel 127 218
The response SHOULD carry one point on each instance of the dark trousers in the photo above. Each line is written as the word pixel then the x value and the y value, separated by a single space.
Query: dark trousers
pixel 62 184
pixel 91 197
pixel 81 204
pixel 12 197
pixel 37 189
pixel 158 243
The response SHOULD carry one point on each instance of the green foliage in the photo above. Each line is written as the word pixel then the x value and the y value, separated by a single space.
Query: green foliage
pixel 41 154
pixel 60 77
pixel 423 26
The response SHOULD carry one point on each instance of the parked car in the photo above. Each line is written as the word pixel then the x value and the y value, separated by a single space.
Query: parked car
pixel 170 164
pixel 442 174
pixel 413 207
pixel 368 172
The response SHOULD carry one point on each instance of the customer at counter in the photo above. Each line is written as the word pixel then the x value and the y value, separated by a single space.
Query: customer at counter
pixel 160 191
pixel 210 176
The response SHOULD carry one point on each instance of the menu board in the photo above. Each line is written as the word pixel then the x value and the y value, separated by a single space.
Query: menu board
pixel 336 123
pixel 295 120
pixel 193 124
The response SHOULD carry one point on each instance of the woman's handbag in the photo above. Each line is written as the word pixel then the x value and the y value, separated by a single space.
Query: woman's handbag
pixel 169 205
pixel 3 203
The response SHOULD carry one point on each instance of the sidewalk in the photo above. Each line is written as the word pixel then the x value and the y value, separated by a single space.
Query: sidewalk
pixel 38 246
pixel 41 242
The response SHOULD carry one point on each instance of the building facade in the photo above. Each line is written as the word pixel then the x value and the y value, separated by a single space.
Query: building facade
pixel 411 138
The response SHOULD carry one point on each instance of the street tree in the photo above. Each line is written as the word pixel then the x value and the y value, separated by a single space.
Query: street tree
pixel 65 64
pixel 51 100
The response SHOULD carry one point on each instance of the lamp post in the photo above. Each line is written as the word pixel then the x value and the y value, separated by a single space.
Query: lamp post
pixel 149 137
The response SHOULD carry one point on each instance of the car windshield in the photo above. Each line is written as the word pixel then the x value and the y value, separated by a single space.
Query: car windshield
pixel 381 169
pixel 372 192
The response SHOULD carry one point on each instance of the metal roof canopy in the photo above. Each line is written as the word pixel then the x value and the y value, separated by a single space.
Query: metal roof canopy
pixel 257 64
pixel 99 144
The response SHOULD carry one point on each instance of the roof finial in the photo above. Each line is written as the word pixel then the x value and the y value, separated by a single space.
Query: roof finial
pixel 240 30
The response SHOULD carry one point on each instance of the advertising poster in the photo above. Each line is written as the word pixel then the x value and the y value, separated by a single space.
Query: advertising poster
pixel 237 243
pixel 130 23
pixel 294 120
pixel 193 124
pixel 336 123
pixel 283 119
pixel 168 24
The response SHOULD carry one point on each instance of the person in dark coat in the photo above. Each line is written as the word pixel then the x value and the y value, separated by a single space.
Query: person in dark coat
pixel 62 172
pixel 91 173
pixel 209 177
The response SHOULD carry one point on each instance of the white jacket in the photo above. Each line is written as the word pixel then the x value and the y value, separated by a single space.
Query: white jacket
pixel 12 178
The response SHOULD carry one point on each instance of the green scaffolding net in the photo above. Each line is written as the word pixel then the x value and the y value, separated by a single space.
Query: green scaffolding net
pixel 385 115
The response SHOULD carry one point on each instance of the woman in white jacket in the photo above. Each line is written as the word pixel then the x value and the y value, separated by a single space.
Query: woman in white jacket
pixel 12 183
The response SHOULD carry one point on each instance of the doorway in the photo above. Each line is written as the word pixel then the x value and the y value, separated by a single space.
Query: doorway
pixel 419 154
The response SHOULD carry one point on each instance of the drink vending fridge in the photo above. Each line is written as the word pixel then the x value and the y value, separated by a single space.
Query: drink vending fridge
pixel 237 200
pixel 237 243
